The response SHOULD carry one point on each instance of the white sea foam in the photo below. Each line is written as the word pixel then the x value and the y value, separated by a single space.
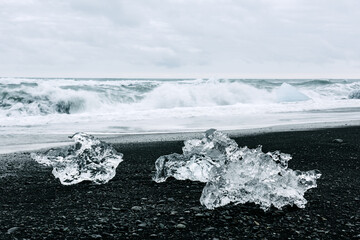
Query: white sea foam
pixel 170 95
pixel 29 97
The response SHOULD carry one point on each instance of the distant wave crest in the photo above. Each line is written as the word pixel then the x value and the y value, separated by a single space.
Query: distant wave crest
pixel 316 82
pixel 21 102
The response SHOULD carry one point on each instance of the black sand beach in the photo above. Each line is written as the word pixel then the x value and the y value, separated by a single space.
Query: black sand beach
pixel 34 205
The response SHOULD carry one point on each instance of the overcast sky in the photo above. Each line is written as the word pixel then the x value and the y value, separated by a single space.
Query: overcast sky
pixel 180 38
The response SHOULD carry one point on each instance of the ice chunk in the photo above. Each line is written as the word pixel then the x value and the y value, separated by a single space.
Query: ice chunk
pixel 198 159
pixel 89 159
pixel 261 178
pixel 237 175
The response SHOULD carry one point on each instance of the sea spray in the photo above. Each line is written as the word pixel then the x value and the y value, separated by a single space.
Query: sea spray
pixel 89 159
pixel 237 174
pixel 40 97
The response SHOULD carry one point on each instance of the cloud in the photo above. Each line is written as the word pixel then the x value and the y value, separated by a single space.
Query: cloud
pixel 146 37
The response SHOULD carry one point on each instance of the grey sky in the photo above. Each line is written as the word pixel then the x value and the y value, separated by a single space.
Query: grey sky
pixel 178 38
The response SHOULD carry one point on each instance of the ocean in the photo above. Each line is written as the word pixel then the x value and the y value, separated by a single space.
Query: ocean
pixel 39 111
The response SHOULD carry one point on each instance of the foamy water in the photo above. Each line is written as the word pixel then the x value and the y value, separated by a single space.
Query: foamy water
pixel 34 110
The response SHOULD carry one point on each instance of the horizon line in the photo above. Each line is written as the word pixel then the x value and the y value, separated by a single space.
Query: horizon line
pixel 217 76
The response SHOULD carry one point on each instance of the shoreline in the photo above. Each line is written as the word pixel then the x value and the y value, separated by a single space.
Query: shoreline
pixel 131 206
pixel 181 136
pixel 174 136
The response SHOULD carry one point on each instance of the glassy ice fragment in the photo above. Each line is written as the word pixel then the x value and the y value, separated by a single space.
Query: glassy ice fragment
pixel 197 168
pixel 261 178
pixel 198 159
pixel 89 159
pixel 237 175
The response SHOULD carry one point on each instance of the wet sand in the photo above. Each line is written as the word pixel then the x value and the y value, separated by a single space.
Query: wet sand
pixel 34 205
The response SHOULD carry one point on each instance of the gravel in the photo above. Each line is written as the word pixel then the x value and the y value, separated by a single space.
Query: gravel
pixel 34 205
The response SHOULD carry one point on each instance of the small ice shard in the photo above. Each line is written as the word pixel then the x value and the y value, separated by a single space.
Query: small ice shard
pixel 237 175
pixel 338 140
pixel 89 159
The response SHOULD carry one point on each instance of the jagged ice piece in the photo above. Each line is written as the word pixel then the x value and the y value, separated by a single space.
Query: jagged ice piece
pixel 237 175
pixel 198 159
pixel 259 178
pixel 89 159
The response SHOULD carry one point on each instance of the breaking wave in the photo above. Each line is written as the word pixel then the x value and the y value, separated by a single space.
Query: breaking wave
pixel 32 97
pixel 21 102
pixel 50 96
pixel 205 94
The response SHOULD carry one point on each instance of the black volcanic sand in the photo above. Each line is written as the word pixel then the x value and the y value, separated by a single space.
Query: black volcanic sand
pixel 34 205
